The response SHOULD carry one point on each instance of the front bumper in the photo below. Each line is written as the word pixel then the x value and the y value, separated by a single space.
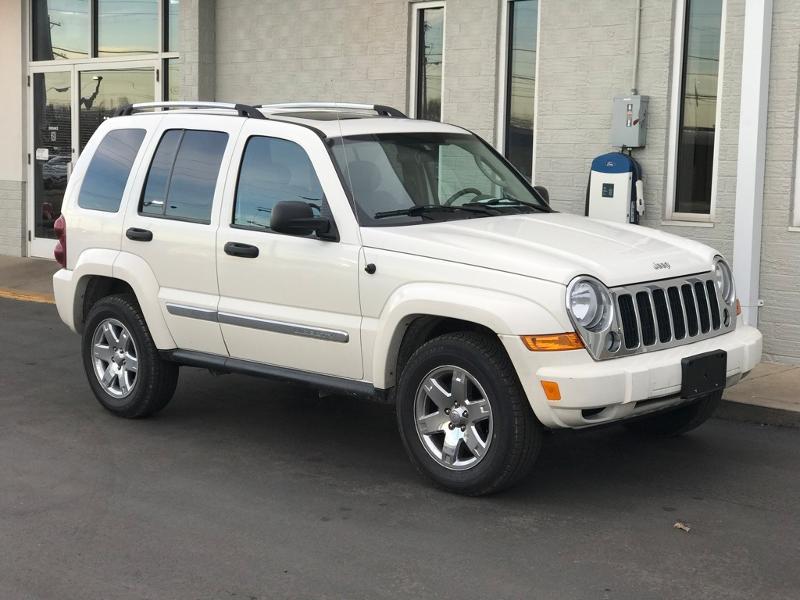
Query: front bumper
pixel 599 392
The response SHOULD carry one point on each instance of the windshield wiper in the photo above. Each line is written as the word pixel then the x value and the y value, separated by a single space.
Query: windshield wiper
pixel 507 201
pixel 422 209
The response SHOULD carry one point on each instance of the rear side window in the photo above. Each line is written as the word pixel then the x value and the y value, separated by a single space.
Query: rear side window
pixel 109 169
pixel 183 175
pixel 273 170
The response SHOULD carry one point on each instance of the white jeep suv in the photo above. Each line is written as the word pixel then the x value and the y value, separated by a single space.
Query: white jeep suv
pixel 356 250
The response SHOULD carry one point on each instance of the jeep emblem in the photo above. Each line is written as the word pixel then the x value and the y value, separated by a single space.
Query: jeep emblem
pixel 661 265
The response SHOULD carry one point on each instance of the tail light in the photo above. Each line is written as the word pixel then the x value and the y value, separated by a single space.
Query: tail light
pixel 60 252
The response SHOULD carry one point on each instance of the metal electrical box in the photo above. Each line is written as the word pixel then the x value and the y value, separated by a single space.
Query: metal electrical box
pixel 629 121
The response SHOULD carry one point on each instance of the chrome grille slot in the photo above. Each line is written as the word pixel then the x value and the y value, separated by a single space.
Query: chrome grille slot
pixel 691 309
pixel 702 307
pixel 628 316
pixel 662 314
pixel 646 318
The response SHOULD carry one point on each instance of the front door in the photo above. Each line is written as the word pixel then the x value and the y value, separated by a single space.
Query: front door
pixel 68 104
pixel 285 300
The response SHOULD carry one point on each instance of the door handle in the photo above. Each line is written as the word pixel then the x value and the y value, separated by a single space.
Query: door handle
pixel 241 250
pixel 139 235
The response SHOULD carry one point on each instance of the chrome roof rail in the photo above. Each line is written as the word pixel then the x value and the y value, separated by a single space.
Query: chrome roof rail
pixel 382 110
pixel 243 110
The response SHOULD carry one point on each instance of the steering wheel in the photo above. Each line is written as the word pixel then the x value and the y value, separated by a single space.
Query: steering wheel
pixel 459 193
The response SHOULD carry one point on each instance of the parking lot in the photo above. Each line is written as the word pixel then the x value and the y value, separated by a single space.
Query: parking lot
pixel 244 488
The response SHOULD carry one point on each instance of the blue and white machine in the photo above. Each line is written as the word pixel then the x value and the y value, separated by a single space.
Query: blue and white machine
pixel 616 189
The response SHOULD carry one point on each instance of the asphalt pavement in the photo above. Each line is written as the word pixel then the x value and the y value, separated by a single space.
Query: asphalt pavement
pixel 244 488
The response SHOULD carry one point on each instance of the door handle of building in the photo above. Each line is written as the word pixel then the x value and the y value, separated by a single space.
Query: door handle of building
pixel 139 235
pixel 241 250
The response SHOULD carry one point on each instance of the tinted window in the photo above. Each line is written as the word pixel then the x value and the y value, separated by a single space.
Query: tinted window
pixel 697 133
pixel 60 29
pixel 273 170
pixel 430 51
pixel 183 175
pixel 108 172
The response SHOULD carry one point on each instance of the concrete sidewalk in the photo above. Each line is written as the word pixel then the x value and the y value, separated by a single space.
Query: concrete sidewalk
pixel 770 394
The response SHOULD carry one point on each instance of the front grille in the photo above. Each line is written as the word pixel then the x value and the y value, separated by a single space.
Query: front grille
pixel 661 314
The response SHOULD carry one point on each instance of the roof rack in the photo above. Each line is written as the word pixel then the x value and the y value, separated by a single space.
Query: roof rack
pixel 243 110
pixel 382 110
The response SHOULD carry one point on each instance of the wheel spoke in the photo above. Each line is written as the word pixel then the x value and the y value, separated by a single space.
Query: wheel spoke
pixel 450 448
pixel 124 340
pixel 110 334
pixel 458 389
pixel 104 353
pixel 108 375
pixel 478 410
pixel 131 363
pixel 432 423
pixel 123 382
pixel 437 393
pixel 474 443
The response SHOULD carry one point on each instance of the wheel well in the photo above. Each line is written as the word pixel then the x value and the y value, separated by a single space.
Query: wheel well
pixel 422 328
pixel 96 288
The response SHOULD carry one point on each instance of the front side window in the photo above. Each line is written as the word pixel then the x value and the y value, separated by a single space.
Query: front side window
pixel 108 172
pixel 183 175
pixel 523 17
pixel 698 104
pixel 272 171
pixel 429 61
pixel 412 178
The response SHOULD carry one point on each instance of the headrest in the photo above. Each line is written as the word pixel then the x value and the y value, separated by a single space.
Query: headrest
pixel 364 177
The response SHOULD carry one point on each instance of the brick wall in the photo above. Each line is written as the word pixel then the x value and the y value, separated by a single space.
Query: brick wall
pixel 779 319
pixel 12 218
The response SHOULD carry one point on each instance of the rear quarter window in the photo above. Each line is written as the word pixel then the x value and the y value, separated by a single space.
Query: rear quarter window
pixel 108 172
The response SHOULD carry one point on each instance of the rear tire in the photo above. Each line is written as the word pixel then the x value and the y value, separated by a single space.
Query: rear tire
pixel 473 440
pixel 125 371
pixel 678 420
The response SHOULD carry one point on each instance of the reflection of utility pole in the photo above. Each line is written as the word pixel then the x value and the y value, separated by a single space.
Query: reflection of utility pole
pixel 88 102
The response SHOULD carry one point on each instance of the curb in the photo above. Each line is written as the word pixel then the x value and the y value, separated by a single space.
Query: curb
pixel 761 415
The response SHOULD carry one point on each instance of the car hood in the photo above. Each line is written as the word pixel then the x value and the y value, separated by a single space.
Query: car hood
pixel 551 246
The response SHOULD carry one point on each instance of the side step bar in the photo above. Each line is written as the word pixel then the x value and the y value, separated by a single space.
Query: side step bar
pixel 214 362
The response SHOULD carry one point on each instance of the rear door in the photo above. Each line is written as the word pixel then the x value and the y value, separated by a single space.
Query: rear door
pixel 173 224
pixel 288 301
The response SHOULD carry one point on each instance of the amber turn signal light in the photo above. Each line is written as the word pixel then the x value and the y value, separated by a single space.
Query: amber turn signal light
pixel 738 307
pixel 551 390
pixel 552 342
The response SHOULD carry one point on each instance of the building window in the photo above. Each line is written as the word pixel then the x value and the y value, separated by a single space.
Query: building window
pixel 696 84
pixel 74 30
pixel 60 29
pixel 519 86
pixel 427 25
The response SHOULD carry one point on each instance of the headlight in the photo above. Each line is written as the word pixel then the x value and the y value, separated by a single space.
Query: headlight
pixel 724 280
pixel 589 303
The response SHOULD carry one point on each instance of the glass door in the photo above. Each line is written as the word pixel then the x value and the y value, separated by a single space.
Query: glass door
pixel 68 105
pixel 51 154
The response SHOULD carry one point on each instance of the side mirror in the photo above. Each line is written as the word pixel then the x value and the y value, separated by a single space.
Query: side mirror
pixel 294 217
pixel 542 191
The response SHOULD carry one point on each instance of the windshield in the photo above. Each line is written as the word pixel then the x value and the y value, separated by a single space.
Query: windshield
pixel 413 178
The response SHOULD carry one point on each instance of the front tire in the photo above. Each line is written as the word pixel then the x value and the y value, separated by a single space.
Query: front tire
pixel 125 371
pixel 463 417
pixel 678 420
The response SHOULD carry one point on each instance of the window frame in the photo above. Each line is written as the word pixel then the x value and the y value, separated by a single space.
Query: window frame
pixel 164 215
pixel 504 81
pixel 161 55
pixel 414 44
pixel 676 93
pixel 323 204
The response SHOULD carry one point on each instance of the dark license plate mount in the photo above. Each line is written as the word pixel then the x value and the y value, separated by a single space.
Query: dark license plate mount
pixel 703 373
